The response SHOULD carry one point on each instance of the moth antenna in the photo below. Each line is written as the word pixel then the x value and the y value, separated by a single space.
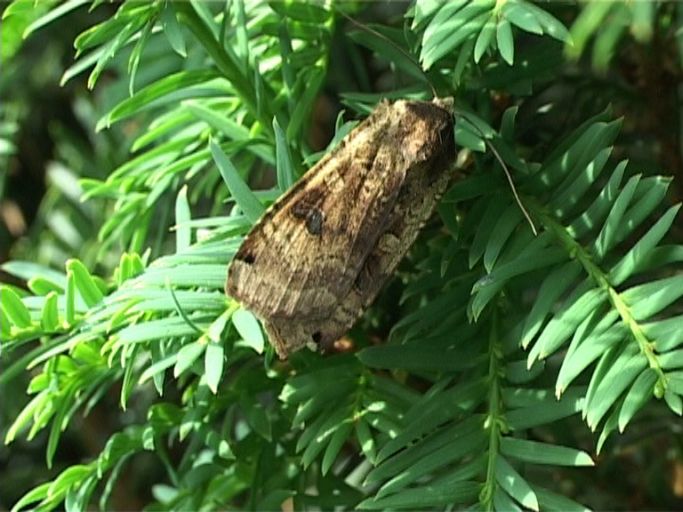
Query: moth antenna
pixel 508 175
pixel 392 43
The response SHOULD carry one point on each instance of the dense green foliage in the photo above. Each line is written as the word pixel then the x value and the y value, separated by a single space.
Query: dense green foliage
pixel 484 368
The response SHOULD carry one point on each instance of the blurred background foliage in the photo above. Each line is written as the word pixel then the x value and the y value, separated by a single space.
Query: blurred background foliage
pixel 105 150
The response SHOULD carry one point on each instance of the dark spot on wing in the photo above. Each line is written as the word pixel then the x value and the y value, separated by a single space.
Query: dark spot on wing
pixel 247 257
pixel 317 336
pixel 300 210
pixel 311 215
pixel 247 252
pixel 314 222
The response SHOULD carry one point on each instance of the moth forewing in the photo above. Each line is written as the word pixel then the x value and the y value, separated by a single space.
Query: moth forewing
pixel 320 254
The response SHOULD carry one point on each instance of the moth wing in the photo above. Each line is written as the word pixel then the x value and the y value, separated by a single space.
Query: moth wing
pixel 304 254
pixel 414 205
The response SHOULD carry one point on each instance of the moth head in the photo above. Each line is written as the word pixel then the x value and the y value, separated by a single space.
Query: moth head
pixel 445 103
pixel 425 126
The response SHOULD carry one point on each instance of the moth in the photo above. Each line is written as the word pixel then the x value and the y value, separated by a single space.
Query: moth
pixel 320 254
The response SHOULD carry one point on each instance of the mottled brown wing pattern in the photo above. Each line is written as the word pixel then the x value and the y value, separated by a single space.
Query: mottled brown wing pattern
pixel 300 258
pixel 321 253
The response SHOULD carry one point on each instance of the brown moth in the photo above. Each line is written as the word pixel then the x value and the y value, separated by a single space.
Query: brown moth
pixel 321 253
